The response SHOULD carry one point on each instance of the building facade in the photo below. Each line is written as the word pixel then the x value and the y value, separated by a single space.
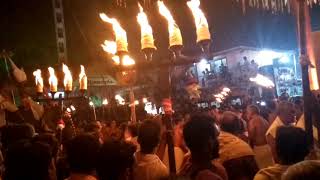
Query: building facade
pixel 60 30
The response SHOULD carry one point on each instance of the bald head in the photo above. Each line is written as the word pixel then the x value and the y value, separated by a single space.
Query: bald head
pixel 286 112
pixel 230 123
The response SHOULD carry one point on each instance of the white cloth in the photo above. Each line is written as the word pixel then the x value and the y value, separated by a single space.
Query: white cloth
pixel 18 74
pixel 148 167
pixel 263 156
pixel 37 109
pixel 232 147
pixel 301 124
pixel 274 126
pixel 178 154
pixel 5 105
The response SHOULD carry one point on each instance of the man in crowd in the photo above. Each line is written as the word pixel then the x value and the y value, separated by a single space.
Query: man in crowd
pixel 147 164
pixel 82 154
pixel 257 128
pixel 200 136
pixel 303 170
pixel 235 154
pixel 28 160
pixel 231 123
pixel 286 116
pixel 115 160
pixel 291 147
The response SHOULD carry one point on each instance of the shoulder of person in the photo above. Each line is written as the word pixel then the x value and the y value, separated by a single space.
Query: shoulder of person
pixel 261 176
pixel 207 175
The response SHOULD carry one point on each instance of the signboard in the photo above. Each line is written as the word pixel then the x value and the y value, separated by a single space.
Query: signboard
pixel 103 80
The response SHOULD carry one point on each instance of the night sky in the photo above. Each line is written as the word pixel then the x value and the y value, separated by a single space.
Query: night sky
pixel 27 29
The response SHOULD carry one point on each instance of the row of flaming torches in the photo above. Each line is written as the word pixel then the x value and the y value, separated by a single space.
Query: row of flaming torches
pixel 120 44
pixel 53 80
pixel 222 95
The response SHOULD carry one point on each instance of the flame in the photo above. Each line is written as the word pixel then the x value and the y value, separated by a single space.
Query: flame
pixel 110 47
pixel 83 78
pixel 219 100
pixel 219 96
pixel 127 61
pixel 147 40
pixel 145 100
pixel 121 35
pixel 120 99
pixel 200 20
pixel 262 81
pixel 116 60
pixel 174 31
pixel 38 79
pixel 105 102
pixel 226 89
pixel 53 81
pixel 67 77
pixel 224 93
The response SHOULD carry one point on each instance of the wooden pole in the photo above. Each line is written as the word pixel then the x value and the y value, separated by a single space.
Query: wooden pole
pixel 165 84
pixel 132 106
pixel 305 69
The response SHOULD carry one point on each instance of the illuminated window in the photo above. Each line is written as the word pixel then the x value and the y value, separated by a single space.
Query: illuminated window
pixel 218 64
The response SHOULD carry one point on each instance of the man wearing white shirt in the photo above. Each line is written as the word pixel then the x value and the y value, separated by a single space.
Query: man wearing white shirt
pixel 286 116
pixel 147 164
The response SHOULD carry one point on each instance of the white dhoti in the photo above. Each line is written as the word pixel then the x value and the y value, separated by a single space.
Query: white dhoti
pixel 263 156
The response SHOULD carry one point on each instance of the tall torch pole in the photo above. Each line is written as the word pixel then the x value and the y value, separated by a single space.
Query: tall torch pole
pixel 305 69
pixel 133 106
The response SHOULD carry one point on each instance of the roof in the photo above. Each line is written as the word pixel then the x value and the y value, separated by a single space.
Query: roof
pixel 237 48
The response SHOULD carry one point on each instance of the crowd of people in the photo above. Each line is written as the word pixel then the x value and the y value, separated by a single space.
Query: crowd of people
pixel 212 144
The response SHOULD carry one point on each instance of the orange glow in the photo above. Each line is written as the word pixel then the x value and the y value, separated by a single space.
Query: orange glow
pixel 128 61
pixel 39 80
pixel 110 47
pixel 314 52
pixel 116 60
pixel 83 80
pixel 67 81
pixel 147 40
pixel 175 38
pixel 53 81
pixel 201 22
pixel 120 33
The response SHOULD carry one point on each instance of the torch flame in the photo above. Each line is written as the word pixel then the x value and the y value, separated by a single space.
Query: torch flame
pixel 39 80
pixel 83 78
pixel 262 81
pixel 147 40
pixel 37 75
pixel 200 20
pixel 121 35
pixel 110 47
pixel 67 77
pixel 119 99
pixel 116 60
pixel 174 31
pixel 53 81
pixel 128 61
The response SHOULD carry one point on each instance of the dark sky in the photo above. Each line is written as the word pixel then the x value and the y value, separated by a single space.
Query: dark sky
pixel 27 28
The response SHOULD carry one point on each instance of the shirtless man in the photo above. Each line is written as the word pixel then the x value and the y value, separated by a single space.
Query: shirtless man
pixel 257 128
